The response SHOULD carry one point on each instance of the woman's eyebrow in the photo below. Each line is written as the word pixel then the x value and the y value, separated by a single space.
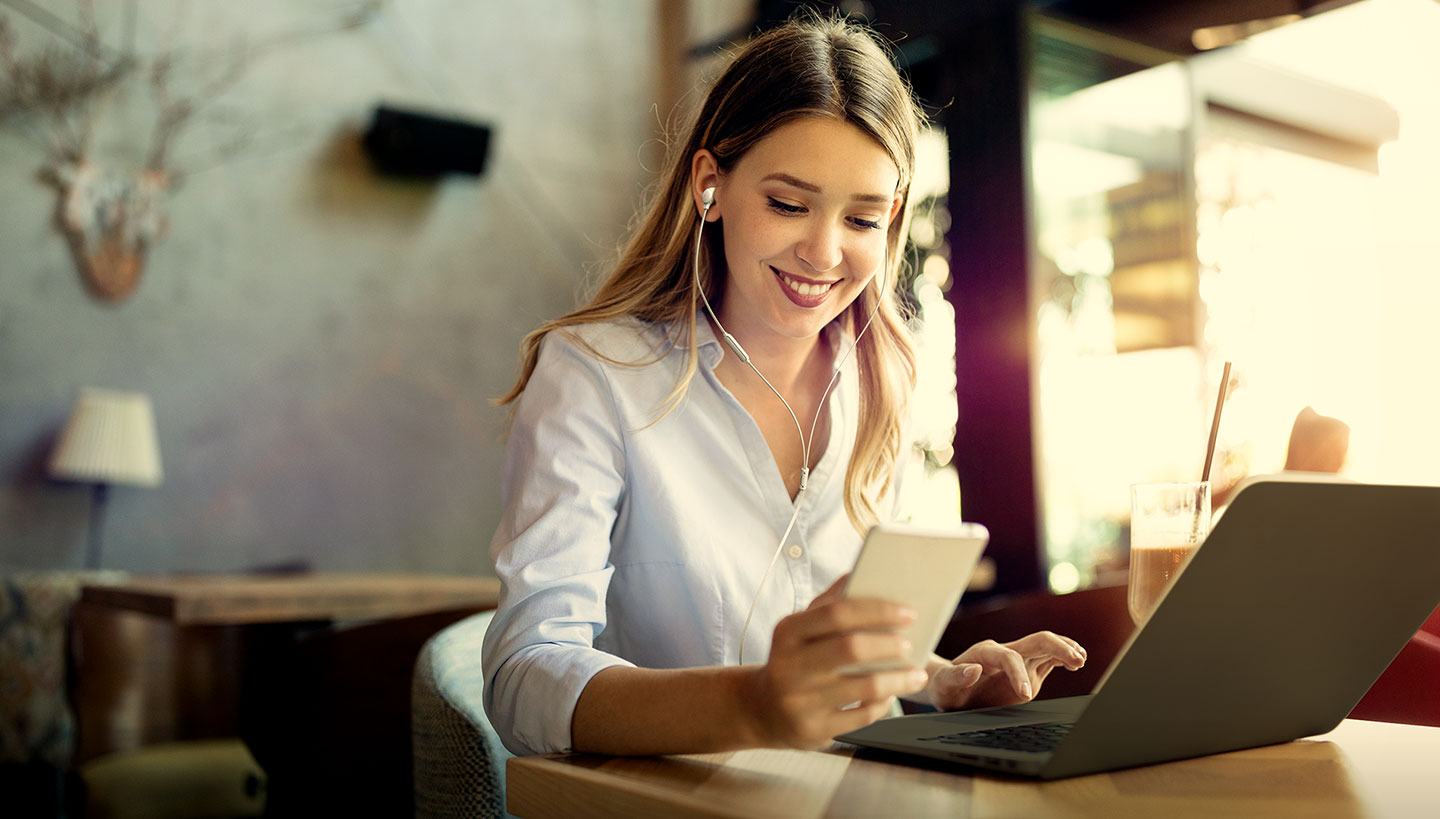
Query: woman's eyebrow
pixel 797 182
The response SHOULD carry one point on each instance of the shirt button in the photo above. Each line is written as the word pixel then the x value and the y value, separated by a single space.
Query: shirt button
pixel 795 551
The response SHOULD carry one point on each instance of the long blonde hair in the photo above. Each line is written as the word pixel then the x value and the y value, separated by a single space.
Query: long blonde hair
pixel 807 67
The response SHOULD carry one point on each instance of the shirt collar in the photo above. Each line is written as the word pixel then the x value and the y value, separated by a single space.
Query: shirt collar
pixel 712 350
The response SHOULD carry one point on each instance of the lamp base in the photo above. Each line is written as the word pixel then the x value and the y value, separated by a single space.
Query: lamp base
pixel 99 493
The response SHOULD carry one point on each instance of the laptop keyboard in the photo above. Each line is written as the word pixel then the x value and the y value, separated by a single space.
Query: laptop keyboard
pixel 1043 737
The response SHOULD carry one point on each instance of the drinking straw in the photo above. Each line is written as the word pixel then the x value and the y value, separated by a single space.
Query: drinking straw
pixel 1214 430
pixel 1215 423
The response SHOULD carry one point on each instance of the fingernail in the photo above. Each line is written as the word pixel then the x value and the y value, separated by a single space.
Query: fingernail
pixel 1025 689
pixel 905 647
pixel 970 672
pixel 919 677
pixel 906 613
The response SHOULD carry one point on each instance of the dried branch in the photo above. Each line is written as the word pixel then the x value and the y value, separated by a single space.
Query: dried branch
pixel 60 85
pixel 111 216
pixel 175 112
pixel 63 85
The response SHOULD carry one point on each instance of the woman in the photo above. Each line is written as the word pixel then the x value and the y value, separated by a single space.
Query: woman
pixel 703 417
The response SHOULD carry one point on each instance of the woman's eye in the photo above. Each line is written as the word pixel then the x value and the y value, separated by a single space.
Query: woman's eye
pixel 792 210
pixel 776 204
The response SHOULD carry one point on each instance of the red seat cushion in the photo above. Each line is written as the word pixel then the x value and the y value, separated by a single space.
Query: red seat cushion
pixel 1409 690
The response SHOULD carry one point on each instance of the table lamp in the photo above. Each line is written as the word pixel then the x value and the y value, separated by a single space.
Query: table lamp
pixel 109 439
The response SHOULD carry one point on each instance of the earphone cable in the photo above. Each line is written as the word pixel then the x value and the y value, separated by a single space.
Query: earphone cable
pixel 814 422
pixel 774 556
pixel 804 473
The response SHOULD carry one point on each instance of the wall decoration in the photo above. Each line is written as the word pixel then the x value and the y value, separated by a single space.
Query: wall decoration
pixel 109 213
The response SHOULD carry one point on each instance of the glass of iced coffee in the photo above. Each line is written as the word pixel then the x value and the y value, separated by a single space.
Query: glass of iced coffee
pixel 1168 522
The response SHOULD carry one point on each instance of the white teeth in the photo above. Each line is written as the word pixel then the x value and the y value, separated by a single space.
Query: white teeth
pixel 805 288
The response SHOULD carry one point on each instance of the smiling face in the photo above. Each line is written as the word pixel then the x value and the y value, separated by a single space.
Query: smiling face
pixel 805 214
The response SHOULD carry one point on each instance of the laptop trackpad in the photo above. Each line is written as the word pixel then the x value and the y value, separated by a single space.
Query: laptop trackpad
pixel 1062 709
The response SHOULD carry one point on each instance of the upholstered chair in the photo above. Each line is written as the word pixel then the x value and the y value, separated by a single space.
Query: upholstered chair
pixel 459 761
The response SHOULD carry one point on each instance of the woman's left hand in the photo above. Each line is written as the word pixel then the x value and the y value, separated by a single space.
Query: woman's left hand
pixel 991 673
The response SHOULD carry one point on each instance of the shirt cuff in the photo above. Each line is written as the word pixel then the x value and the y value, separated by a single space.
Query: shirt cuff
pixel 536 692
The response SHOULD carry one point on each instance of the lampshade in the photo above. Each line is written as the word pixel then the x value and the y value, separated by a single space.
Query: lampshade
pixel 110 438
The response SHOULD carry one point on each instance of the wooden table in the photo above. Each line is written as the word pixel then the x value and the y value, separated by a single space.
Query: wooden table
pixel 311 670
pixel 1372 769
pixel 227 600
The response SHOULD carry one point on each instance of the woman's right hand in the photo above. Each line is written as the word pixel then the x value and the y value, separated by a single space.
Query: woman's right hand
pixel 801 701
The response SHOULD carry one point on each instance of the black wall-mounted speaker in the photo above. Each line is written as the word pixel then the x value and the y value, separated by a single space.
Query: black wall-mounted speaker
pixel 410 143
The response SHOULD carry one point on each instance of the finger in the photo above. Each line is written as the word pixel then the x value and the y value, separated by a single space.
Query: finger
pixel 881 702
pixel 948 685
pixel 962 675
pixel 1079 650
pixel 1011 664
pixel 853 719
pixel 1044 644
pixel 837 651
pixel 1043 670
pixel 835 592
pixel 878 685
pixel 1076 650
pixel 1067 658
pixel 845 615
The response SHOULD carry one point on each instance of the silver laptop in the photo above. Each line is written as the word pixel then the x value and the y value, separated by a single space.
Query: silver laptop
pixel 1298 601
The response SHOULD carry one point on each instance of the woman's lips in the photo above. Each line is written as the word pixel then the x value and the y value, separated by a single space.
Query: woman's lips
pixel 803 292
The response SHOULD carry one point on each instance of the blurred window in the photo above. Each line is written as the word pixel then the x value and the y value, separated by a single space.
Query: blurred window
pixel 1253 206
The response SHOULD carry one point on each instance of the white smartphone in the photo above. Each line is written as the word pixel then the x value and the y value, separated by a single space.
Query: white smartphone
pixel 926 569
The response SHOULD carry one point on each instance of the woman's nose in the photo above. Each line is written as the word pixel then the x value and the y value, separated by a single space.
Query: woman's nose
pixel 820 247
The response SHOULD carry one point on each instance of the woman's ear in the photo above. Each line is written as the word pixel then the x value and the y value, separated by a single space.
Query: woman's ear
pixel 705 175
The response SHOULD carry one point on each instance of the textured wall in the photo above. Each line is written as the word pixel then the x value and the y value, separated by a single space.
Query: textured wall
pixel 320 343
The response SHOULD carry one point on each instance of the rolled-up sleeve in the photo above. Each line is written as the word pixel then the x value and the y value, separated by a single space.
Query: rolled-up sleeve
pixel 562 487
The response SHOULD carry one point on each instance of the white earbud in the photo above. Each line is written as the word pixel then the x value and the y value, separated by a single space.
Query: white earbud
pixel 707 197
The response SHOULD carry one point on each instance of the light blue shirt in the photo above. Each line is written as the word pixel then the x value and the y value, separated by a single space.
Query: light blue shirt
pixel 627 541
